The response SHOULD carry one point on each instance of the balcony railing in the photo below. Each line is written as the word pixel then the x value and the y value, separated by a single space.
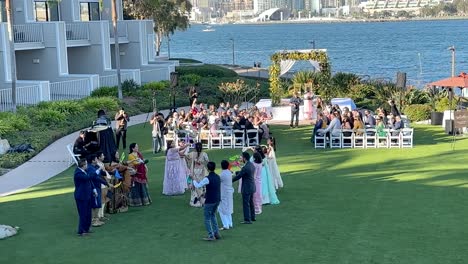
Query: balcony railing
pixel 27 95
pixel 154 75
pixel 122 30
pixel 70 90
pixel 77 31
pixel 27 33
pixel 111 80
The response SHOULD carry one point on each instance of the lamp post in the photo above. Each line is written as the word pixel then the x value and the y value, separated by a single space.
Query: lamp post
pixel 452 49
pixel 313 43
pixel 233 53
pixel 174 82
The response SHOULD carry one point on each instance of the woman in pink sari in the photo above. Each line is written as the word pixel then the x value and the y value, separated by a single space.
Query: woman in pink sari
pixel 257 197
pixel 175 175
pixel 308 105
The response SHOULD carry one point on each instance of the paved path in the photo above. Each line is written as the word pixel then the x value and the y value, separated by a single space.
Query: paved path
pixel 46 164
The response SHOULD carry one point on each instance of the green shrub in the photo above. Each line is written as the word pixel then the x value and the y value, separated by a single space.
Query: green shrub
pixel 65 107
pixel 11 160
pixel 94 104
pixel 190 80
pixel 418 112
pixel 444 104
pixel 10 122
pixel 49 116
pixel 105 91
pixel 206 71
pixel 155 86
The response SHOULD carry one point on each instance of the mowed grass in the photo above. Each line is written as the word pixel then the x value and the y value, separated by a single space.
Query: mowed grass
pixel 337 206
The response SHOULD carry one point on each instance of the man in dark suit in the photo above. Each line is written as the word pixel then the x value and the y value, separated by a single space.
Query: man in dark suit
pixel 84 197
pixel 247 174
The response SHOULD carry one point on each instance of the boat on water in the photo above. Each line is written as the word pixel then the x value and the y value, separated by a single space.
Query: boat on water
pixel 208 29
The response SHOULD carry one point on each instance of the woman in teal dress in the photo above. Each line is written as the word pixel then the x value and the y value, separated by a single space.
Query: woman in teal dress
pixel 268 188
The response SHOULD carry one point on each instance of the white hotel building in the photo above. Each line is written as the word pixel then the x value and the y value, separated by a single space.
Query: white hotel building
pixel 65 50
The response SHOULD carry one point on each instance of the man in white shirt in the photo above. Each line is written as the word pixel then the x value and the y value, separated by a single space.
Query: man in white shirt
pixel 334 125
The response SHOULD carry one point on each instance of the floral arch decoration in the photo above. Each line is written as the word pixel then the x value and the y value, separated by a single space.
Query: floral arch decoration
pixel 282 61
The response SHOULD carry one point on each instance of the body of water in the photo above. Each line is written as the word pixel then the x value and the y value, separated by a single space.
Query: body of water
pixel 380 50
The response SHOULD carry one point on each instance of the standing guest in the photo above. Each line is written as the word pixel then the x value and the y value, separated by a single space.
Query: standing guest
pixel 139 194
pixel 121 124
pixel 257 196
pixel 156 133
pixel 193 95
pixel 174 173
pixel 212 183
pixel 268 189
pixel 393 109
pixel 295 102
pixel 273 166
pixel 120 201
pixel 198 161
pixel 247 174
pixel 226 208
pixel 308 105
pixel 96 180
pixel 84 197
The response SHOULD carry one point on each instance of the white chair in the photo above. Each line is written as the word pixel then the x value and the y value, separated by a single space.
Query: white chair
pixel 383 139
pixel 252 137
pixel 359 138
pixel 73 157
pixel 347 138
pixel 394 138
pixel 204 138
pixel 216 139
pixel 320 139
pixel 228 138
pixel 407 138
pixel 238 136
pixel 371 139
pixel 335 138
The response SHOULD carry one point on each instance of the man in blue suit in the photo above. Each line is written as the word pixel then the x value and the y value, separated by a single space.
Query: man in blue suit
pixel 84 197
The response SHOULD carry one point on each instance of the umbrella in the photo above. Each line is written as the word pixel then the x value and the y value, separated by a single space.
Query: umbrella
pixel 457 81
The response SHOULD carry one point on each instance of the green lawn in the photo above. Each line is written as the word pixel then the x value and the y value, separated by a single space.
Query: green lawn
pixel 338 206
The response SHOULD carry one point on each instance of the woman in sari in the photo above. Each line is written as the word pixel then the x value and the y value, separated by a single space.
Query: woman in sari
pixel 197 161
pixel 257 196
pixel 139 194
pixel 273 166
pixel 268 189
pixel 119 203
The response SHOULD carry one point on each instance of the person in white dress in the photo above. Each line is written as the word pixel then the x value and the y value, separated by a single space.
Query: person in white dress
pixel 225 208
pixel 273 166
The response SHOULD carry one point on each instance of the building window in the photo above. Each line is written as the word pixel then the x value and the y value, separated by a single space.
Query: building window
pixel 46 10
pixel 89 11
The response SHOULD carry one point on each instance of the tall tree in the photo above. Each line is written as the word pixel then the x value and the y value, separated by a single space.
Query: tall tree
pixel 11 42
pixel 168 16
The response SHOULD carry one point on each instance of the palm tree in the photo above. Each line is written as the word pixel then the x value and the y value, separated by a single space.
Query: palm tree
pixel 343 82
pixel 11 42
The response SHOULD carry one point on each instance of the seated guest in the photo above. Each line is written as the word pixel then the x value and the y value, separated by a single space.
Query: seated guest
pixel 81 147
pixel 369 120
pixel 380 127
pixel 358 124
pixel 318 125
pixel 397 126
pixel 335 124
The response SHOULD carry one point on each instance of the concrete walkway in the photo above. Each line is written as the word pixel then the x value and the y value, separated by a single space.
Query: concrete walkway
pixel 49 162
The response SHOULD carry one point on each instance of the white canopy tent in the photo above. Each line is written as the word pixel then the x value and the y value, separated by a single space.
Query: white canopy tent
pixel 344 102
pixel 286 65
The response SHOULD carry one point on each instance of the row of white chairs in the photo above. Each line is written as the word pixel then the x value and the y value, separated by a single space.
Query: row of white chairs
pixel 365 138
pixel 217 139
